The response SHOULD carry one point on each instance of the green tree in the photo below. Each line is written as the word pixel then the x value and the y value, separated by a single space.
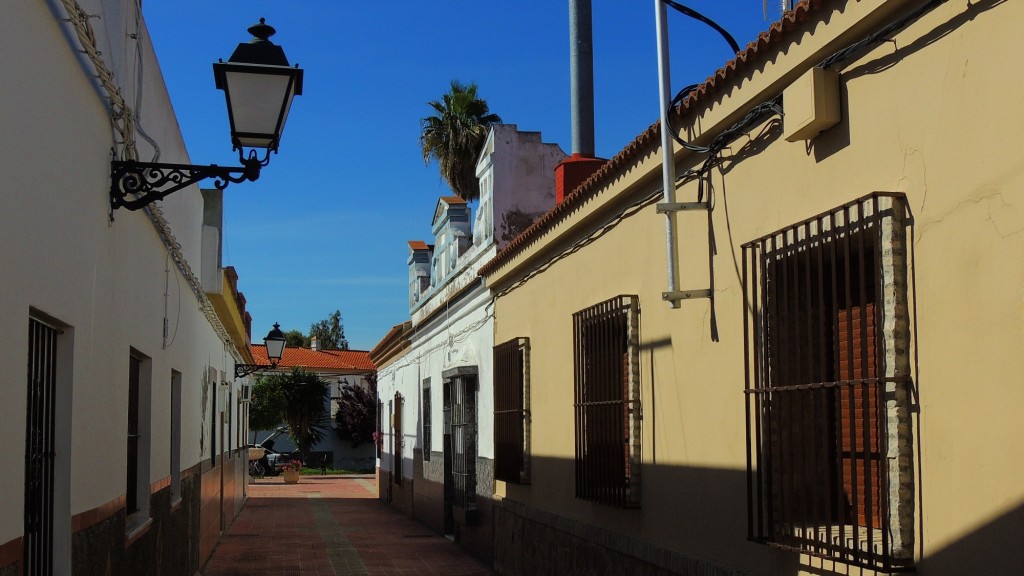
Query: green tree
pixel 330 332
pixel 296 339
pixel 356 418
pixel 454 136
pixel 266 400
pixel 298 399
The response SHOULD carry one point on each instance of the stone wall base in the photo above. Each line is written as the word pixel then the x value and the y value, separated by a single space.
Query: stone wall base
pixel 539 543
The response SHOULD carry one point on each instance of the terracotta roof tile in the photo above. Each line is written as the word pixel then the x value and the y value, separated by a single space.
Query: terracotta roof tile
pixel 418 245
pixel 452 200
pixel 310 359
pixel 389 339
pixel 650 138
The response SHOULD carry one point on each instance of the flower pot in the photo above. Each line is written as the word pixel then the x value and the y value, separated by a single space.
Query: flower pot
pixel 290 476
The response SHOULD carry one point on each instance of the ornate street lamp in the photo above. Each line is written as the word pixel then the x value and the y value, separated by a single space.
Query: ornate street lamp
pixel 275 342
pixel 259 85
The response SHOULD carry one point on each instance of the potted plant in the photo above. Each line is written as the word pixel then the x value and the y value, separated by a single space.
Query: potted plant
pixel 290 472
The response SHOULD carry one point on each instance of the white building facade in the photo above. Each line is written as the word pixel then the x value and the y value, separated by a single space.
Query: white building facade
pixel 434 373
pixel 125 425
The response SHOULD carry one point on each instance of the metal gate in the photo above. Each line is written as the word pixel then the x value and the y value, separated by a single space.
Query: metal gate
pixel 39 449
pixel 449 482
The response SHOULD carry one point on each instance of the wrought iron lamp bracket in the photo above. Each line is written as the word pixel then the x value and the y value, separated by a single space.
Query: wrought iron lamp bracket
pixel 137 184
pixel 243 370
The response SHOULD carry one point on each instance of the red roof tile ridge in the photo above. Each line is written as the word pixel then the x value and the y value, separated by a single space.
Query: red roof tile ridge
pixel 314 359
pixel 588 187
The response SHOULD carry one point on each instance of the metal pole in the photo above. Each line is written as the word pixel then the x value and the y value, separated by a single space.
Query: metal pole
pixel 581 69
pixel 668 165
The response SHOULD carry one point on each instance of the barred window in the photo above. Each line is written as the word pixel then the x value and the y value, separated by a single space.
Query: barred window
pixel 134 434
pixel 828 385
pixel 426 420
pixel 378 433
pixel 607 403
pixel 512 411
pixel 396 440
pixel 40 447
pixel 460 419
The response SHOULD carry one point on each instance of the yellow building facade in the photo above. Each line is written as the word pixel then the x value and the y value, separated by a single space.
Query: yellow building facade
pixel 806 361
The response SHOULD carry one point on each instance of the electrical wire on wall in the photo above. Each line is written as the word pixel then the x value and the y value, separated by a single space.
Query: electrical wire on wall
pixel 169 337
pixel 758 114
pixel 123 122
pixel 882 35
pixel 635 207
pixel 450 339
pixel 672 108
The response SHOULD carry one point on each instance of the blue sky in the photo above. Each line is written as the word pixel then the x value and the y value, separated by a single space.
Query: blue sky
pixel 326 225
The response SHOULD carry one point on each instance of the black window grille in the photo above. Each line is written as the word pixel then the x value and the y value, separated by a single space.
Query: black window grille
pixel 378 434
pixel 132 480
pixel 828 385
pixel 607 402
pixel 426 420
pixel 227 432
pixel 397 441
pixel 214 414
pixel 39 449
pixel 512 411
pixel 464 438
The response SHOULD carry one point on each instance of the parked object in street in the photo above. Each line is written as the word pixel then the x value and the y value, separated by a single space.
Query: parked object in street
pixel 271 462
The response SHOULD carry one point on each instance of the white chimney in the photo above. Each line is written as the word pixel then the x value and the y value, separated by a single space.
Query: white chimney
pixel 314 343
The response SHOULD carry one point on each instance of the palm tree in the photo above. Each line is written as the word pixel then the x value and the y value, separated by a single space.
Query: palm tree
pixel 299 399
pixel 454 136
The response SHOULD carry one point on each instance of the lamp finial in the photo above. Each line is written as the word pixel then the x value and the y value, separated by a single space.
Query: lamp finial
pixel 261 32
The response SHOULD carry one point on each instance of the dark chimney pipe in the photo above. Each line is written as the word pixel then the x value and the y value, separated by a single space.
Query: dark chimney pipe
pixel 581 66
pixel 575 169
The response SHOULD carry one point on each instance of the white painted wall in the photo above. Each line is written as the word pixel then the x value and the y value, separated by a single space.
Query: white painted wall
pixel 453 322
pixel 103 280
pixel 461 336
pixel 518 167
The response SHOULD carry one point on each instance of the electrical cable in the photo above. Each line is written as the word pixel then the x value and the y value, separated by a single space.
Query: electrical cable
pixel 880 35
pixel 756 115
pixel 702 18
pixel 630 210
pixel 122 119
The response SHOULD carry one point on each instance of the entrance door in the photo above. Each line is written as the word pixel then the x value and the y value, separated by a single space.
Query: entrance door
pixel 39 449
pixel 449 478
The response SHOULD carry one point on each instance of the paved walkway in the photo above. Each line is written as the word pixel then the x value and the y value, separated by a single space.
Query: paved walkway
pixel 331 526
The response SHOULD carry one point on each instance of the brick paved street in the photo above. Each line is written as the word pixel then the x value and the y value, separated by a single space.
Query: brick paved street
pixel 331 526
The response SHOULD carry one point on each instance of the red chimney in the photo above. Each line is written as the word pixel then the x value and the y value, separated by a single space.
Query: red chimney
pixel 572 172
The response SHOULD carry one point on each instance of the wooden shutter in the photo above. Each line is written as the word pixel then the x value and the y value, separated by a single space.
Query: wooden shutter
pixel 859 411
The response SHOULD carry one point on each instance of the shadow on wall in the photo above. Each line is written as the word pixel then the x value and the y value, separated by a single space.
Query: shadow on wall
pixel 993 548
pixel 691 521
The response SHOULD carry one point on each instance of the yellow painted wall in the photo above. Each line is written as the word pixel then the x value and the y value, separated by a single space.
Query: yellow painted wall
pixel 936 115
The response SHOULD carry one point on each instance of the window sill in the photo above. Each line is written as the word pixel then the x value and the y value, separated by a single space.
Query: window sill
pixel 135 527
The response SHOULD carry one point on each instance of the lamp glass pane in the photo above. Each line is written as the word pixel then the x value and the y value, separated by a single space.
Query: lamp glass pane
pixel 274 348
pixel 256 105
